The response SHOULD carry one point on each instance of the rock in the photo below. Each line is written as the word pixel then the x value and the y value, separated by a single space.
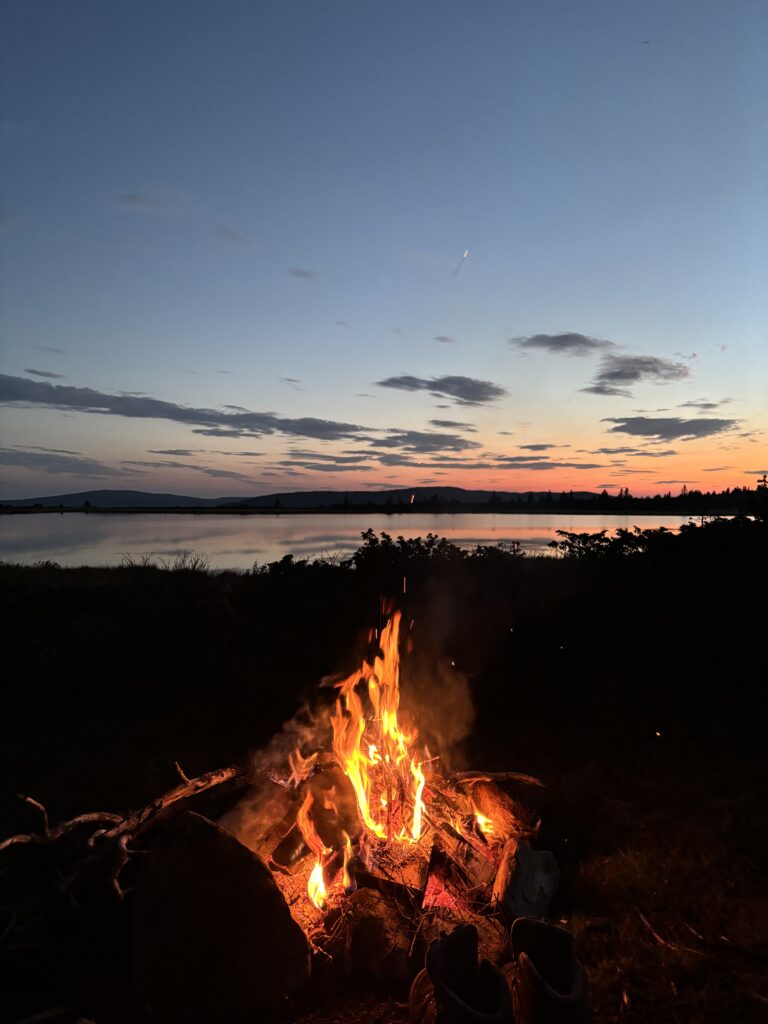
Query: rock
pixel 378 942
pixel 213 937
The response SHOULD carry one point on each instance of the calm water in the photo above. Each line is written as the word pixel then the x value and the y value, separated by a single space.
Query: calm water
pixel 236 542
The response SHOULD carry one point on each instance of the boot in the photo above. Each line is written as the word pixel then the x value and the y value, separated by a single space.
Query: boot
pixel 548 983
pixel 454 989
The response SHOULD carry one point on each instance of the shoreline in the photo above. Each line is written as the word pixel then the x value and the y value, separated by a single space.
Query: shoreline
pixel 357 511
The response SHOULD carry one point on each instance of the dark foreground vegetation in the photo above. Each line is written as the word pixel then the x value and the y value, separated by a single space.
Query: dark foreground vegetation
pixel 627 673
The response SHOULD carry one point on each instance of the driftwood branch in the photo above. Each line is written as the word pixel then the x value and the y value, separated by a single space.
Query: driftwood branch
pixel 140 821
pixel 51 834
pixel 132 825
pixel 470 778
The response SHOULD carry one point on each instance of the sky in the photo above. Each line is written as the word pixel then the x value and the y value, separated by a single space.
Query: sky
pixel 250 247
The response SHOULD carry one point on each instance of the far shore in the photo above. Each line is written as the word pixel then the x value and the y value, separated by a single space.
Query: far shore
pixel 365 510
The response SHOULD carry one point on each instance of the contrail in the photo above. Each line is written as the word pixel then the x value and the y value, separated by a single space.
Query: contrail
pixel 461 262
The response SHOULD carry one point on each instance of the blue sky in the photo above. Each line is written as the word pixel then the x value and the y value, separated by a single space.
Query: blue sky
pixel 265 206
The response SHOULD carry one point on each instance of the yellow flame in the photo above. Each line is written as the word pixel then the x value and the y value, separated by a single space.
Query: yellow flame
pixel 348 881
pixel 485 824
pixel 418 804
pixel 316 886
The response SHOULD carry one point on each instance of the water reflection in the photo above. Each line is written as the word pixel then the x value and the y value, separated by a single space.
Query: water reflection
pixel 236 541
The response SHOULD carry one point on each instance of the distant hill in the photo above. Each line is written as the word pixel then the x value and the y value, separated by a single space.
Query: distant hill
pixel 287 500
pixel 114 499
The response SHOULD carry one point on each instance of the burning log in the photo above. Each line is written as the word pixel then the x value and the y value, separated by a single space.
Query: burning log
pixel 213 937
pixel 263 817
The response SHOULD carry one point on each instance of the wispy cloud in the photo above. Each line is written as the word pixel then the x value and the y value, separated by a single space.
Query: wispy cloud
pixel 51 348
pixel 461 390
pixel 174 451
pixel 704 404
pixel 643 452
pixel 568 344
pixel 209 422
pixel 668 428
pixel 52 462
pixel 454 425
pixel 292 382
pixel 222 474
pixel 229 235
pixel 143 202
pixel 446 339
pixel 303 274
pixel 617 372
pixel 46 373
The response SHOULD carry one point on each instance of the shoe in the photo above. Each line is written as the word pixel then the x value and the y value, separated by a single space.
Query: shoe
pixel 455 989
pixel 548 984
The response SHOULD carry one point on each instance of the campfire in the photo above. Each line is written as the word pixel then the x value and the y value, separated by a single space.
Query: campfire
pixel 361 804
pixel 348 853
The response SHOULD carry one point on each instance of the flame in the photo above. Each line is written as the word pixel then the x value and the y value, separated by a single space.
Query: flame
pixel 348 881
pixel 373 749
pixel 418 803
pixel 484 824
pixel 316 886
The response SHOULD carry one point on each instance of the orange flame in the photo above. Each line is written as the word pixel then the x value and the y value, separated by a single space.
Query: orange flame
pixel 375 752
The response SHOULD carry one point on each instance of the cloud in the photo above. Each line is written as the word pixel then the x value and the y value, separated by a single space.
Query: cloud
pixel 616 373
pixel 716 469
pixel 54 451
pixel 46 373
pixel 212 422
pixel 143 203
pixel 527 462
pixel 292 382
pixel 174 451
pixel 230 235
pixel 538 447
pixel 342 323
pixel 461 390
pixel 446 339
pixel 51 348
pixel 703 404
pixel 454 425
pixel 642 452
pixel 569 344
pixel 52 462
pixel 422 441
pixel 224 474
pixel 668 428
pixel 302 274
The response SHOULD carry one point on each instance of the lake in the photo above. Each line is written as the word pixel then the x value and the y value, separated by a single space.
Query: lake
pixel 236 542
